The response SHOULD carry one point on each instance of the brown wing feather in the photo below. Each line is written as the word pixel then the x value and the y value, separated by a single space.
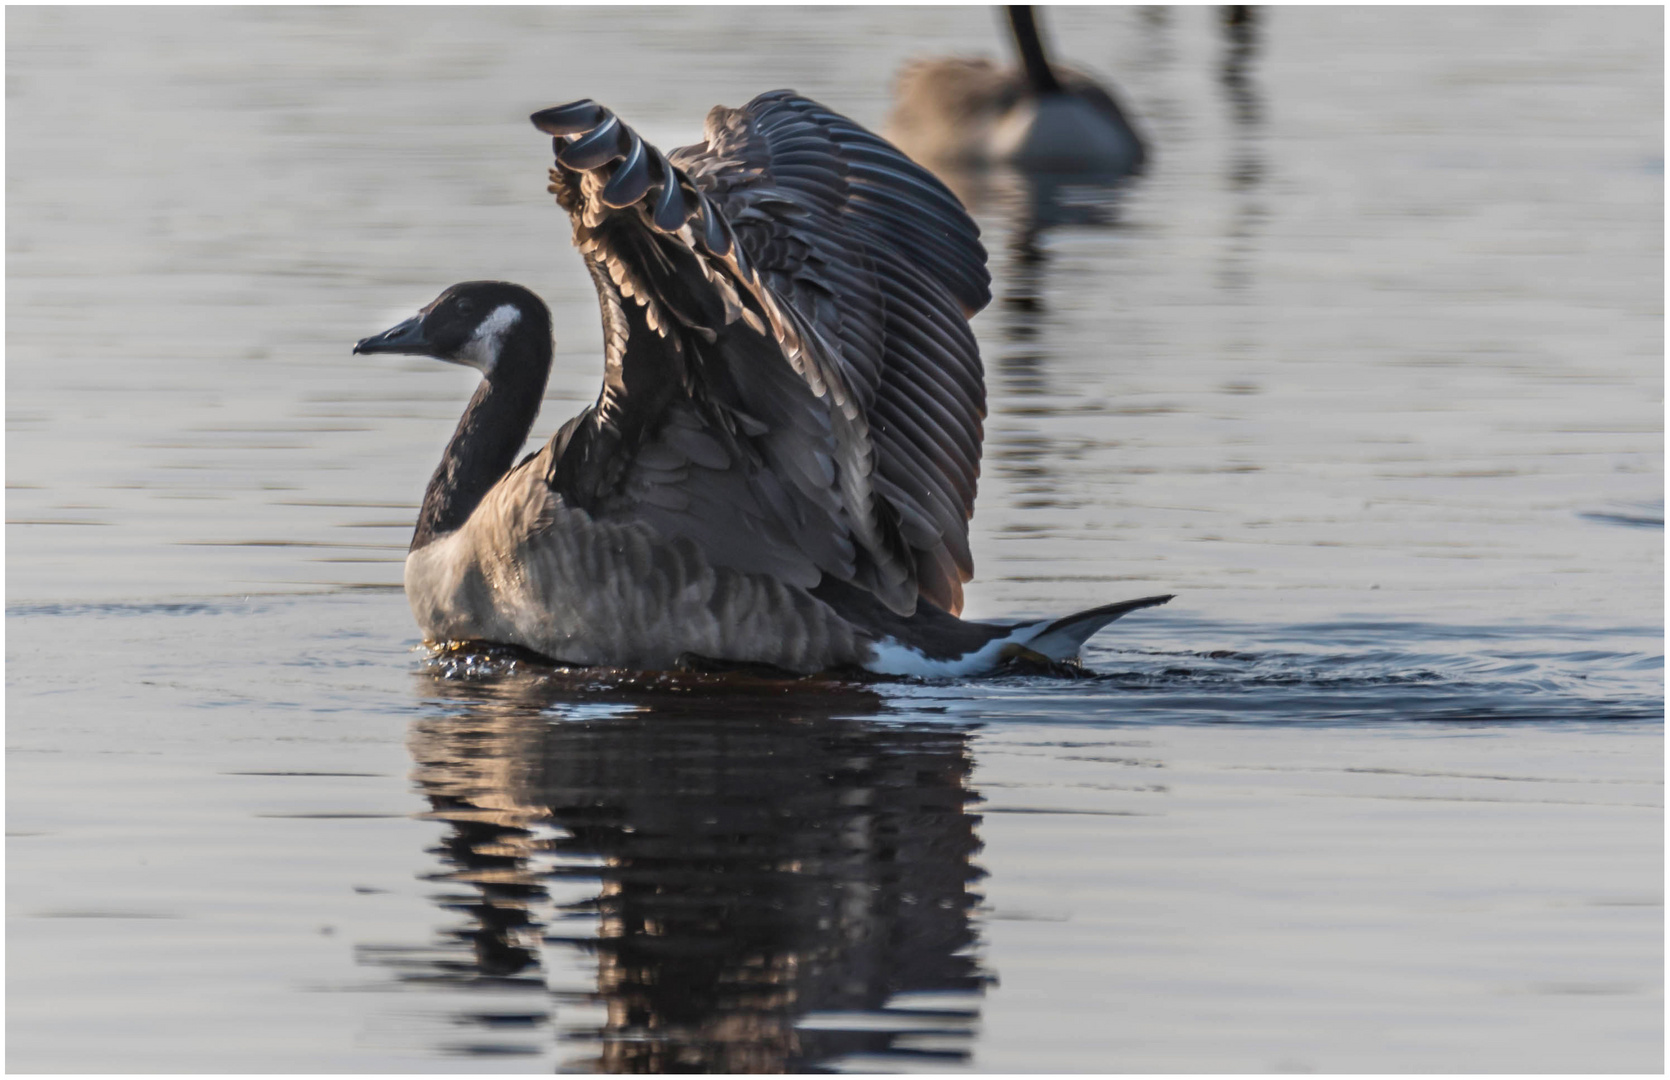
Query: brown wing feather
pixel 794 291
pixel 886 261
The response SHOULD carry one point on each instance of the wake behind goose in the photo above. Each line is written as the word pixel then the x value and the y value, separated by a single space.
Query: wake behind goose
pixel 782 462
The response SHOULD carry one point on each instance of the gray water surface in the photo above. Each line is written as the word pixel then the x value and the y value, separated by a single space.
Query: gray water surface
pixel 1367 370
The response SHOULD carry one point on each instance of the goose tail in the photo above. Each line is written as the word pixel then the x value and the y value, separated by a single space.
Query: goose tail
pixel 1062 639
pixel 949 647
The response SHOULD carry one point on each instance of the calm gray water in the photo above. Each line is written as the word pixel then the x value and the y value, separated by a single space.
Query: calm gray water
pixel 1368 370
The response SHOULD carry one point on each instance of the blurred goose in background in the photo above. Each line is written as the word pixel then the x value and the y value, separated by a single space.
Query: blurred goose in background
pixel 962 113
pixel 782 462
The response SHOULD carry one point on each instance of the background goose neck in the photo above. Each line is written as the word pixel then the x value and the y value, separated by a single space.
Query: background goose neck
pixel 1039 75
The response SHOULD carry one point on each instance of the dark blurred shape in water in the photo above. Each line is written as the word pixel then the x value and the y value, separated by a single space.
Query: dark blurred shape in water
pixel 1245 167
pixel 1242 28
pixel 1647 514
pixel 770 869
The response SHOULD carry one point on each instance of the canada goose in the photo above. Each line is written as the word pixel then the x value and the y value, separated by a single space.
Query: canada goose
pixel 960 113
pixel 782 462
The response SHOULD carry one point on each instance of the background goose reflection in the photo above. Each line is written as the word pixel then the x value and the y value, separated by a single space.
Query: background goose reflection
pixel 759 879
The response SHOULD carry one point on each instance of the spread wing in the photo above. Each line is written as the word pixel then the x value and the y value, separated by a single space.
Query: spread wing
pixel 790 379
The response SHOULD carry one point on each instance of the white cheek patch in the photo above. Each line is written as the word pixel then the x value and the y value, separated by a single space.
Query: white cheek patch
pixel 482 350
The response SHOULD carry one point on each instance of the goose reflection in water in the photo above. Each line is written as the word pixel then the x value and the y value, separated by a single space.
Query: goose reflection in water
pixel 1244 164
pixel 761 877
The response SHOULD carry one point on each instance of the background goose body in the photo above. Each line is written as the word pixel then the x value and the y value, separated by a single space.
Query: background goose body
pixel 967 112
pixel 782 461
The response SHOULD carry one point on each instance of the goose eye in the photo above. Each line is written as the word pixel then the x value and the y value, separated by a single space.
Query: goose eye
pixel 466 307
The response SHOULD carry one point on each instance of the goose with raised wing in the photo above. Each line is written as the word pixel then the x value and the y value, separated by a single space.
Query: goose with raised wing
pixel 781 465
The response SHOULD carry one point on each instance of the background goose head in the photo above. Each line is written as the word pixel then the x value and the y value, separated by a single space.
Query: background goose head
pixel 500 329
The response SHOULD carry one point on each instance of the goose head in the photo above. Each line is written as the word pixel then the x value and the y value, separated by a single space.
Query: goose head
pixel 487 325
pixel 503 331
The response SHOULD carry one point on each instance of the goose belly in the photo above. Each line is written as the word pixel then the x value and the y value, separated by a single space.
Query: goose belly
pixel 617 594
pixel 447 593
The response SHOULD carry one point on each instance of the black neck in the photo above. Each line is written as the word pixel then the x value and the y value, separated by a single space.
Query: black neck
pixel 490 433
pixel 1038 72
